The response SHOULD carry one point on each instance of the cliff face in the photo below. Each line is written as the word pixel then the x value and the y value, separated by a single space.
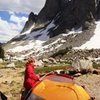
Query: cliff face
pixel 66 14
pixel 74 14
pixel 98 10
pixel 73 9
pixel 31 20
pixel 49 11
pixel 44 31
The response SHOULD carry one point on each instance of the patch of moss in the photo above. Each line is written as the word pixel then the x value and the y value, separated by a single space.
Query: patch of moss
pixel 19 64
pixel 62 52
pixel 95 65
pixel 47 69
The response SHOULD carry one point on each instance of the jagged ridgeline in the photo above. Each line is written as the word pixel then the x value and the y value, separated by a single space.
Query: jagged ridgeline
pixel 51 29
pixel 66 14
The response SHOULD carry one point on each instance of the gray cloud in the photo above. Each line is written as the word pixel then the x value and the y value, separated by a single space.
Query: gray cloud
pixel 25 6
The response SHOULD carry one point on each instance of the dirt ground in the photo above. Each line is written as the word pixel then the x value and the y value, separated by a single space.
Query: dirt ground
pixel 11 82
pixel 91 83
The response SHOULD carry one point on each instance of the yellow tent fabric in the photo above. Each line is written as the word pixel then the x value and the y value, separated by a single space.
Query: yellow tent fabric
pixel 55 90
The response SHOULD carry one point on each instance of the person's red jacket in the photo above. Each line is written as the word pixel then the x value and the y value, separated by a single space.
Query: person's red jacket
pixel 30 77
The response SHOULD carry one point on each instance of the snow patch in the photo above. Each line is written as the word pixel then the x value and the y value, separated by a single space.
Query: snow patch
pixel 79 30
pixel 94 42
pixel 28 31
pixel 13 43
pixel 31 45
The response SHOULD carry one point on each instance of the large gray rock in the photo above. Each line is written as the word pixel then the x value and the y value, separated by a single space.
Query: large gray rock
pixel 39 63
pixel 82 65
pixel 1 61
pixel 11 65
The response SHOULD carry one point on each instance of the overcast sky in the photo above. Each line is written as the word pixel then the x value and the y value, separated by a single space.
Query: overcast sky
pixel 14 14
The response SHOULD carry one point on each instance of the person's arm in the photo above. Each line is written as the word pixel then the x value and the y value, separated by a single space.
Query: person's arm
pixel 31 73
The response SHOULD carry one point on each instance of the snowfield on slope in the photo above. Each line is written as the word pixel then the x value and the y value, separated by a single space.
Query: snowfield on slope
pixel 36 45
pixel 94 42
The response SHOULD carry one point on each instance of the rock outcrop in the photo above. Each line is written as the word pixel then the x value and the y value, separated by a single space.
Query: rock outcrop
pixel 98 10
pixel 66 14
pixel 31 20
pixel 58 17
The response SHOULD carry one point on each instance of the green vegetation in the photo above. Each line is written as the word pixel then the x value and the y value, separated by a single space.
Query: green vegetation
pixel 62 52
pixel 95 65
pixel 19 64
pixel 3 64
pixel 1 52
pixel 47 69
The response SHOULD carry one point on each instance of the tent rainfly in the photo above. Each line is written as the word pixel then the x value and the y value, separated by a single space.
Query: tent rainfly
pixel 58 87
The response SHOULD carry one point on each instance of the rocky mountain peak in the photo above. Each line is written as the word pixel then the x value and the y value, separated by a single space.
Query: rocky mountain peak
pixel 32 17
pixel 49 11
pixel 31 20
pixel 70 21
pixel 68 14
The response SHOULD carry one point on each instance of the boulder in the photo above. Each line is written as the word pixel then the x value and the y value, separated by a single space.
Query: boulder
pixel 47 61
pixel 82 65
pixel 11 65
pixel 53 60
pixel 1 61
pixel 59 71
pixel 39 63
